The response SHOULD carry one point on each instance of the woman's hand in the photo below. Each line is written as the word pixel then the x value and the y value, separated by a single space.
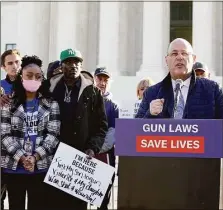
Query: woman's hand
pixel 29 163
pixel 4 100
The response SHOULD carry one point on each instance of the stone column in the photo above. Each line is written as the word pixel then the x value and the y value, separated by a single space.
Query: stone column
pixel 82 29
pixel 130 37
pixel 87 32
pixel 108 36
pixel 62 29
pixel 53 27
pixel 33 29
pixel 217 38
pixel 203 32
pixel 9 24
pixel 92 41
pixel 155 39
pixel 27 37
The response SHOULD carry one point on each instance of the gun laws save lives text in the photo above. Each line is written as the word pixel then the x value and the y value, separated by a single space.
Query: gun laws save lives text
pixel 170 142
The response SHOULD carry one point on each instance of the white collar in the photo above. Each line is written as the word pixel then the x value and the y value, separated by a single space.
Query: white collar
pixel 186 83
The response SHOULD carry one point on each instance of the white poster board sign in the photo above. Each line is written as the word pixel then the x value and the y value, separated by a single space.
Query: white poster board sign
pixel 72 172
pixel 129 108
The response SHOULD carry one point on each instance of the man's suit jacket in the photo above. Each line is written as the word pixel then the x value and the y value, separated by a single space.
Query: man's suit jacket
pixel 204 100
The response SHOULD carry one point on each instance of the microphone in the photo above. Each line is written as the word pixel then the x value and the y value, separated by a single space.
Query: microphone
pixel 179 84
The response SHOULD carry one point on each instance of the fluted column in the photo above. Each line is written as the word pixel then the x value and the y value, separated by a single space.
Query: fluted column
pixel 33 29
pixel 108 36
pixel 203 32
pixel 130 37
pixel 9 18
pixel 155 39
pixel 66 26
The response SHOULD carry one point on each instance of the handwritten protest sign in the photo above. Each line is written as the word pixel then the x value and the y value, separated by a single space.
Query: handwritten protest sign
pixel 129 108
pixel 86 179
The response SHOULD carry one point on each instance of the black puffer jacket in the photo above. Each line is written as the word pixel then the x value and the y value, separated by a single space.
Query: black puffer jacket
pixel 89 123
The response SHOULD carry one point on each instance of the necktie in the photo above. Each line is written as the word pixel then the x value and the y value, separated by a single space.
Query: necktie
pixel 178 102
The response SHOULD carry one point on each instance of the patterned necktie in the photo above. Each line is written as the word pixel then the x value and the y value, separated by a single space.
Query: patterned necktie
pixel 178 101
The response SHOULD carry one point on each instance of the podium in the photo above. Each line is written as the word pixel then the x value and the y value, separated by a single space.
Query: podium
pixel 169 164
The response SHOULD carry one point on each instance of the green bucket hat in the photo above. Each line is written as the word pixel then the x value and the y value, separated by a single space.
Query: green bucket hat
pixel 69 53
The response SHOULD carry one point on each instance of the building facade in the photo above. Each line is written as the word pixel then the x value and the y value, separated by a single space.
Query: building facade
pixel 129 38
pixel 124 36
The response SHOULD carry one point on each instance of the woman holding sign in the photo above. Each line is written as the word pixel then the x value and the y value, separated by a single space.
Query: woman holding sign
pixel 29 129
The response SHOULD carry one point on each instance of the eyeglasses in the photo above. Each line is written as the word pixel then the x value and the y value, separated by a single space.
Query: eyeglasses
pixel 183 54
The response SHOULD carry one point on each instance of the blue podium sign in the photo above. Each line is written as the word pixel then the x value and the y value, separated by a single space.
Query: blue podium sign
pixel 169 138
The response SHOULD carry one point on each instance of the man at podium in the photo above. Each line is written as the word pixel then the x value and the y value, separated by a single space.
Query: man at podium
pixel 180 183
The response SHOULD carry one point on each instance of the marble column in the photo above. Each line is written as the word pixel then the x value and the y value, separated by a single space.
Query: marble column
pixel 217 38
pixel 9 24
pixel 62 33
pixel 27 37
pixel 87 32
pixel 130 37
pixel 203 32
pixel 53 25
pixel 155 40
pixel 123 38
pixel 109 36
pixel 33 29
pixel 82 29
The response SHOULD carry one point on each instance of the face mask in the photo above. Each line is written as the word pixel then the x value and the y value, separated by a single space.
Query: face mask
pixel 31 85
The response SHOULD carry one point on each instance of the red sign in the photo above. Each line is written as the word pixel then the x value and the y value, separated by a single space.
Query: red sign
pixel 172 144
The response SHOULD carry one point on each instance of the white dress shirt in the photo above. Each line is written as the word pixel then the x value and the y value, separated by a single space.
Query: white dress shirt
pixel 184 89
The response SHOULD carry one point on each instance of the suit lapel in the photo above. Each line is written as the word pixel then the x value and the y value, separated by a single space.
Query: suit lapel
pixel 170 101
pixel 191 87
pixel 168 95
pixel 166 92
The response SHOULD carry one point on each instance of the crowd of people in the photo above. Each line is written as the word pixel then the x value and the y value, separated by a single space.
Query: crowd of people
pixel 73 106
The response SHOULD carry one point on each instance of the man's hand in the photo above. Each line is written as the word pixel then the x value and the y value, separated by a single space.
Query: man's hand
pixel 4 100
pixel 89 153
pixel 156 106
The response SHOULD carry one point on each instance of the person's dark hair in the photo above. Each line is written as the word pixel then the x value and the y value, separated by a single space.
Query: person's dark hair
pixel 18 89
pixel 8 52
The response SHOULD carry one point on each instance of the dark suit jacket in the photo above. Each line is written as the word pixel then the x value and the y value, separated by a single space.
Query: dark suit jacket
pixel 204 100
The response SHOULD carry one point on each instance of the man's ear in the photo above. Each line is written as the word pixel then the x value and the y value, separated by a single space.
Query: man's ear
pixel 3 67
pixel 166 59
pixel 194 58
pixel 62 67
